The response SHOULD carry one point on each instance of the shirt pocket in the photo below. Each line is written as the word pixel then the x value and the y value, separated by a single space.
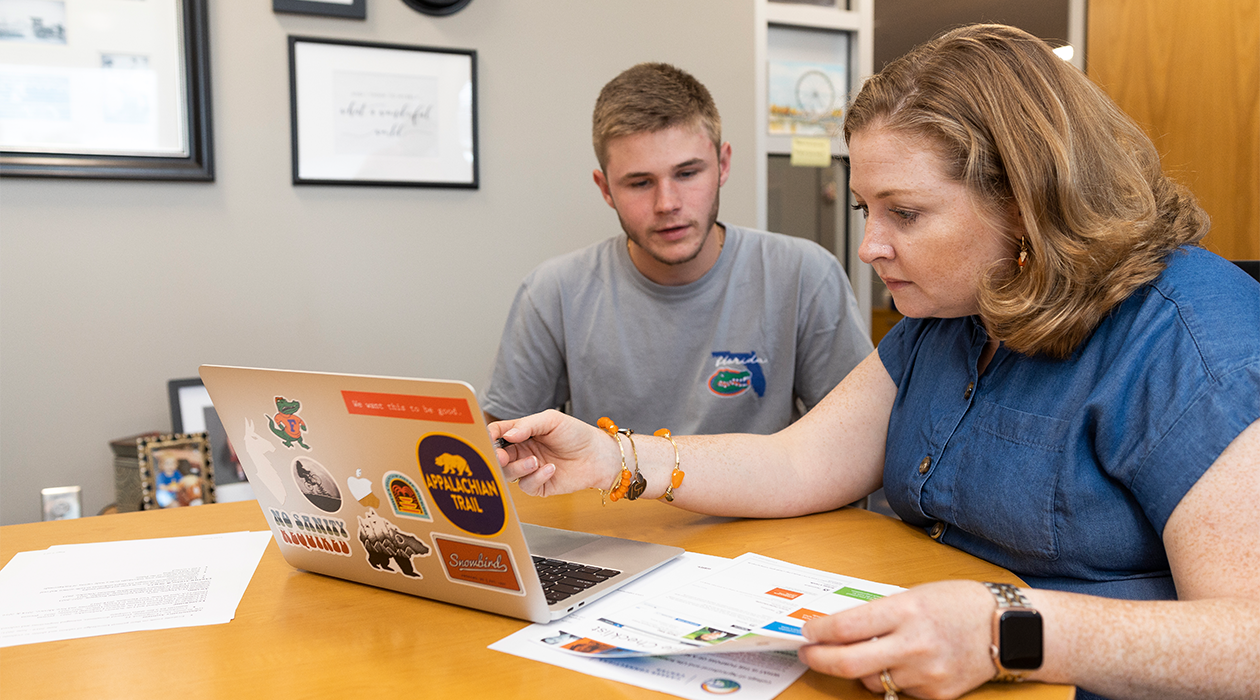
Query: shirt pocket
pixel 1008 477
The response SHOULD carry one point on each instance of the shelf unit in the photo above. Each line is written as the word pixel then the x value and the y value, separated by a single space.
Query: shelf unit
pixel 858 21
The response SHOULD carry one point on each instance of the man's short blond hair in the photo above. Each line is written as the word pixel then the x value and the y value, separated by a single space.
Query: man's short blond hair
pixel 651 97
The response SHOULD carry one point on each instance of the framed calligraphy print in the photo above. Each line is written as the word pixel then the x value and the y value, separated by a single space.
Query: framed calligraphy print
pixel 382 114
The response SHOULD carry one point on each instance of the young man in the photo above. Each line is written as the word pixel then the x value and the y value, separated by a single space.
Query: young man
pixel 683 322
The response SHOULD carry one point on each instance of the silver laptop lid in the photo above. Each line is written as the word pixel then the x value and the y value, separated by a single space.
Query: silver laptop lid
pixel 392 482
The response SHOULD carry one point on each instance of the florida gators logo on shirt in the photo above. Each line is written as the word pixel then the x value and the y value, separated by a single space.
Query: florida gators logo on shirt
pixel 736 373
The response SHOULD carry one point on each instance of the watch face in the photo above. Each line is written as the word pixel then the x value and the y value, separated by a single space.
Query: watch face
pixel 1020 640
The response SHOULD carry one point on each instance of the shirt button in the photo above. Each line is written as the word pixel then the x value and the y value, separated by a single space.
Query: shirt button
pixel 967 393
pixel 937 530
pixel 925 465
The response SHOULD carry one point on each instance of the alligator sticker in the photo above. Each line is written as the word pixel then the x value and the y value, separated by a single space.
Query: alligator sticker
pixel 384 542
pixel 461 484
pixel 404 497
pixel 319 487
pixel 478 564
pixel 314 532
pixel 287 425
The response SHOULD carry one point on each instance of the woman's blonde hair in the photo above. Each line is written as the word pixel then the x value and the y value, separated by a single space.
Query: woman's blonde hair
pixel 650 97
pixel 1019 126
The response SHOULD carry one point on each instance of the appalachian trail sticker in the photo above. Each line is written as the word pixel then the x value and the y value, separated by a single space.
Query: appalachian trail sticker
pixel 461 484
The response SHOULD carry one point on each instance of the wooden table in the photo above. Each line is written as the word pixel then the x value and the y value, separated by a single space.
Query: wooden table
pixel 300 635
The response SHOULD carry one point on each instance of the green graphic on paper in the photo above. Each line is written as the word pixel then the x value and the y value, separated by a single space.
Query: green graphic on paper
pixel 860 595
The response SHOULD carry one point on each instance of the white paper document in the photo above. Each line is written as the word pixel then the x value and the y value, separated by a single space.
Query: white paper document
pixel 699 625
pixel 86 590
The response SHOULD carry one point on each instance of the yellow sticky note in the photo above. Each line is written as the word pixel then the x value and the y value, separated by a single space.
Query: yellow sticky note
pixel 811 152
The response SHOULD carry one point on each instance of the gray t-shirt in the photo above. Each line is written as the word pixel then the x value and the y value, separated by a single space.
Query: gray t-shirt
pixel 773 320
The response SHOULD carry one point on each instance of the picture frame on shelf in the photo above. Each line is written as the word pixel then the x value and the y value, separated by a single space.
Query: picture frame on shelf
pixel 175 471
pixel 382 114
pixel 126 94
pixel 193 412
pixel 189 399
pixel 61 502
pixel 346 9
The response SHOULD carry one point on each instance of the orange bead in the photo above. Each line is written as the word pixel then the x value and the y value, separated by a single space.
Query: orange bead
pixel 677 477
pixel 607 425
pixel 663 432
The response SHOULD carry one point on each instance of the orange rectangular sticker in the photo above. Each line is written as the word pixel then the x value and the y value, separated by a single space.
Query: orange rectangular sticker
pixel 430 408
pixel 479 564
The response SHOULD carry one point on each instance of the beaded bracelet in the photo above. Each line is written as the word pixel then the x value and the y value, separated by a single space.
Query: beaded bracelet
pixel 625 484
pixel 621 482
pixel 675 477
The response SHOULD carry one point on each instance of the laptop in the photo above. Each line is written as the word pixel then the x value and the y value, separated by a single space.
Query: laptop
pixel 394 483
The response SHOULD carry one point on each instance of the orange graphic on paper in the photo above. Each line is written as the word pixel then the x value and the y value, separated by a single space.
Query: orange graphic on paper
pixel 783 593
pixel 806 614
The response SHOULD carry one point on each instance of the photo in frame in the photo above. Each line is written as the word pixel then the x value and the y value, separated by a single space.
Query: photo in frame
pixel 107 89
pixel 175 471
pixel 347 9
pixel 382 114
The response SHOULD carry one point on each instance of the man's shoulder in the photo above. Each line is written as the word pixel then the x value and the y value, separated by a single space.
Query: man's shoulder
pixel 786 256
pixel 576 265
pixel 782 247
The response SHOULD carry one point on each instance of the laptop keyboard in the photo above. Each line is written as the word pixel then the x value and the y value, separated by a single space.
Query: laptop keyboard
pixel 561 579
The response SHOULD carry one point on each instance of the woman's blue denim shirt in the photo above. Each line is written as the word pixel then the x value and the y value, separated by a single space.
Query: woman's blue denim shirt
pixel 1066 471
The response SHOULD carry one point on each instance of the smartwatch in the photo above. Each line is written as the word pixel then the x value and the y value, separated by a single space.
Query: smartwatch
pixel 1017 641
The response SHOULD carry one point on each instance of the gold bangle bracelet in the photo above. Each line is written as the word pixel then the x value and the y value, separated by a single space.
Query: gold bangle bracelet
pixel 675 477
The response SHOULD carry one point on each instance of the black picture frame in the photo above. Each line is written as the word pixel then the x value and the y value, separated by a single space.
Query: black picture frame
pixel 356 9
pixel 187 396
pixel 197 164
pixel 347 97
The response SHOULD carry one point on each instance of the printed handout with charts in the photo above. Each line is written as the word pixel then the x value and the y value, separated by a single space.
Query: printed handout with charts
pixel 699 625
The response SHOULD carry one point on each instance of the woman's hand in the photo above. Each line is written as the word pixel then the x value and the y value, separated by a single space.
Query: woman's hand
pixel 933 639
pixel 551 453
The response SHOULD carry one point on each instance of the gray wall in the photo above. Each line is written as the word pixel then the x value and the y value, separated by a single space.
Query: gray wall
pixel 109 289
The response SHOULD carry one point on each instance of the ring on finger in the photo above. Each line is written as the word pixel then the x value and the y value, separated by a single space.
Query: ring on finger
pixel 890 689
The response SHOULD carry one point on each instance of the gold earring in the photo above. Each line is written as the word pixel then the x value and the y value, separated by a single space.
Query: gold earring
pixel 1023 252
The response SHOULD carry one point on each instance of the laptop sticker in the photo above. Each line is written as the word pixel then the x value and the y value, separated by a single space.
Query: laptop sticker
pixel 288 426
pixel 404 497
pixel 257 447
pixel 361 490
pixel 435 409
pixel 314 532
pixel 317 484
pixel 478 564
pixel 461 484
pixel 384 543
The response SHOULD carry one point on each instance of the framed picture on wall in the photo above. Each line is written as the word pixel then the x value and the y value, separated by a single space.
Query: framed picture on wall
pixel 349 9
pixel 382 114
pixel 114 90
pixel 175 471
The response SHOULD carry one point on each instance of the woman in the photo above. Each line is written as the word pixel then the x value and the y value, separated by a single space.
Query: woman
pixel 1075 396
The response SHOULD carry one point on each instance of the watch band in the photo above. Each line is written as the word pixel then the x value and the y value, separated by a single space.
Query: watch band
pixel 1008 597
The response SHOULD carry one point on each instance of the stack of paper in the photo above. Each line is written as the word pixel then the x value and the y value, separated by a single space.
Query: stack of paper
pixel 85 590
